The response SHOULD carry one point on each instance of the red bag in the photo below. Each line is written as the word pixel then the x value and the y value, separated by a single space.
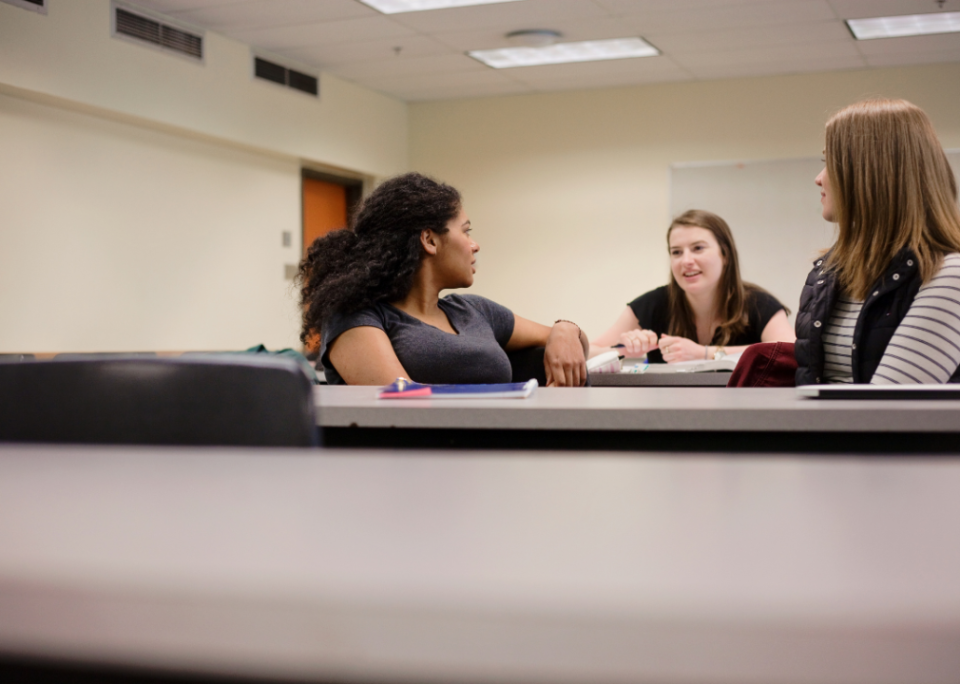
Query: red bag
pixel 768 364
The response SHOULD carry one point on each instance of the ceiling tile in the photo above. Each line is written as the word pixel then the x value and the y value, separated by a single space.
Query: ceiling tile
pixel 619 70
pixel 265 13
pixel 642 6
pixel 172 6
pixel 859 9
pixel 722 16
pixel 486 77
pixel 943 42
pixel 302 35
pixel 406 66
pixel 702 39
pixel 508 16
pixel 895 60
pixel 570 30
pixel 607 81
pixel 376 50
pixel 797 54
pixel 742 37
pixel 773 68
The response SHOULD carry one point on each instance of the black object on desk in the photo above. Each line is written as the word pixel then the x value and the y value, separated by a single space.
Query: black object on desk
pixel 238 401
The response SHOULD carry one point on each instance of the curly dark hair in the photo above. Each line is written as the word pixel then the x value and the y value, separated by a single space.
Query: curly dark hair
pixel 376 259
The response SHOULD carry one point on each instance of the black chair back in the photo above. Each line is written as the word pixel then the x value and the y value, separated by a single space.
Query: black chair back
pixel 527 364
pixel 240 401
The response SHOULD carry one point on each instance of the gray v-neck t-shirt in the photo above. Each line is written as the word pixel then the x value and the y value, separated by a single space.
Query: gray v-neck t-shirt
pixel 430 355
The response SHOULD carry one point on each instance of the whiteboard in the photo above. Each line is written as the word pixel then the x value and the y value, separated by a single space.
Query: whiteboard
pixel 773 209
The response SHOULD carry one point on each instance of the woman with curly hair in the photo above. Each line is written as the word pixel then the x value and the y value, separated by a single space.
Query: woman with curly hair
pixel 706 310
pixel 373 292
pixel 883 304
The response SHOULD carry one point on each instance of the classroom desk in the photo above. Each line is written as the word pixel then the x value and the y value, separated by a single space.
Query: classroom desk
pixel 659 379
pixel 510 567
pixel 641 418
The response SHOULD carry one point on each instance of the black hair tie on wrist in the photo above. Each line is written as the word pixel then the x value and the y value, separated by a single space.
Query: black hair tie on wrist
pixel 564 320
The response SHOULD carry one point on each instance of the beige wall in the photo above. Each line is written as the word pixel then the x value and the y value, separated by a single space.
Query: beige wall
pixel 569 192
pixel 143 196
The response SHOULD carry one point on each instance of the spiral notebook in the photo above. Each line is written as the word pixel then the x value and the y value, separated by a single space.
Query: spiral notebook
pixel 401 388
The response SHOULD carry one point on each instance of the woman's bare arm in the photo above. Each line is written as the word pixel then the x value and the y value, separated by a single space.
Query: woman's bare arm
pixel 566 349
pixel 365 356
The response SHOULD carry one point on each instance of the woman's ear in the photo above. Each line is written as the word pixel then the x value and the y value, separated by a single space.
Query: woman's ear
pixel 428 240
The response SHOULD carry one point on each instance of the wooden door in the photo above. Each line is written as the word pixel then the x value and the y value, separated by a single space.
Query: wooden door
pixel 324 209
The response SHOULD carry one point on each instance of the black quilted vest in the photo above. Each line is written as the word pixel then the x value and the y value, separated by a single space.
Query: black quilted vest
pixel 886 305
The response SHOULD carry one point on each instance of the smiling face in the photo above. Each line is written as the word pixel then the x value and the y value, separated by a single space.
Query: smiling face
pixel 696 259
pixel 457 253
pixel 826 196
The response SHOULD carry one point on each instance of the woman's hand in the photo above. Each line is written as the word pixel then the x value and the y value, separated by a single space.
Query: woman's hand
pixel 638 342
pixel 675 349
pixel 563 358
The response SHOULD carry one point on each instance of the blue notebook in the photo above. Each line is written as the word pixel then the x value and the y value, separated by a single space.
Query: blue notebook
pixel 402 388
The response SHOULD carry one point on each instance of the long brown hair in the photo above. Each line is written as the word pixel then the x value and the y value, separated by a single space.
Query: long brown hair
pixel 733 293
pixel 892 188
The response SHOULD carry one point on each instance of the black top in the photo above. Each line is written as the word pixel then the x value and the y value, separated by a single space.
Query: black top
pixel 430 355
pixel 653 311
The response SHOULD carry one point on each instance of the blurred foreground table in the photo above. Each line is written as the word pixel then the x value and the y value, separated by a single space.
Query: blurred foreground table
pixel 335 566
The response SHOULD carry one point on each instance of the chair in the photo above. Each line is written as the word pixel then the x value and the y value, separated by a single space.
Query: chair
pixel 79 356
pixel 527 364
pixel 240 401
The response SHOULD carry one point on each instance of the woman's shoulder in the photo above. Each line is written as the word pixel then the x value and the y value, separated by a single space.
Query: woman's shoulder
pixel 377 315
pixel 758 296
pixel 761 303
pixel 658 296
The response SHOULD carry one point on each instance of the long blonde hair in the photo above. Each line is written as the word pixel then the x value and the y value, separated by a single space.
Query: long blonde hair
pixel 892 188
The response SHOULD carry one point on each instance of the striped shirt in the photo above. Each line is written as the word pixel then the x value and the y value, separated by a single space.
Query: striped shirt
pixel 925 348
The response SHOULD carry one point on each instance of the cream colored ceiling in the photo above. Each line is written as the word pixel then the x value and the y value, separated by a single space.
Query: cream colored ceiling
pixel 420 55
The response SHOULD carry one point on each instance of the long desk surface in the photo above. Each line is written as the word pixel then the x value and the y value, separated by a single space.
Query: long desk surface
pixel 509 567
pixel 659 379
pixel 647 417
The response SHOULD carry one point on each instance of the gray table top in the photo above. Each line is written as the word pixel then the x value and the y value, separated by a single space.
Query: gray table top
pixel 639 408
pixel 522 567
pixel 659 379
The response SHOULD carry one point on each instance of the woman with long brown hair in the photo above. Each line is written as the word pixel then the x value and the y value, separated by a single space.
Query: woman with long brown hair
pixel 883 304
pixel 706 311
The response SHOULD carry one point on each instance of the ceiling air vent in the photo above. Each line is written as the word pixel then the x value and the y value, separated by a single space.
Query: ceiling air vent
pixel 33 5
pixel 140 27
pixel 284 76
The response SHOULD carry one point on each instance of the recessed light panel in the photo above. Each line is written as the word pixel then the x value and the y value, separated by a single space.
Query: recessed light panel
pixel 906 25
pixel 562 53
pixel 398 6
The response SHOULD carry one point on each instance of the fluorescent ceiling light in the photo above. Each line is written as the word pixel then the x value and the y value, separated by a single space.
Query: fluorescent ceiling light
pixel 561 53
pixel 906 25
pixel 398 6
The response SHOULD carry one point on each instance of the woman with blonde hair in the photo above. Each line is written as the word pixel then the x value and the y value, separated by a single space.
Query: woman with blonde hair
pixel 883 304
pixel 706 310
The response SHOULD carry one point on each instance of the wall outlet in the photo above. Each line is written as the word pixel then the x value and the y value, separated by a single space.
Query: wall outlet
pixel 287 238
pixel 290 271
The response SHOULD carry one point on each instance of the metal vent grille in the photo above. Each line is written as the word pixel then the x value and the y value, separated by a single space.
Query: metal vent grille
pixel 284 76
pixel 39 6
pixel 157 33
pixel 304 82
